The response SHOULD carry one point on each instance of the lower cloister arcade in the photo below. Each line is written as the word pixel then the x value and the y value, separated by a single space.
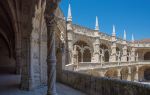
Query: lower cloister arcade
pixel 147 56
pixel 144 73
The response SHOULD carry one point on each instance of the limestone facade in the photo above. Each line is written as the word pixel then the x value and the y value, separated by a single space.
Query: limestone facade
pixel 115 57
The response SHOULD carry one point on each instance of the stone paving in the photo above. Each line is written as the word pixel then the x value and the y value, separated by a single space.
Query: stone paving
pixel 9 85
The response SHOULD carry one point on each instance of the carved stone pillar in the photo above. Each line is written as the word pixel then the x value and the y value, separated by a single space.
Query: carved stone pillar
pixel 124 55
pixel 119 74
pixel 129 74
pixel 136 77
pixel 133 55
pixel 113 52
pixel 96 51
pixel 102 73
pixel 26 73
pixel 69 42
pixel 18 61
pixel 51 55
pixel 82 52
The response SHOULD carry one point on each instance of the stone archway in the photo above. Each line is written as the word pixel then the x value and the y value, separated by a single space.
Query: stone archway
pixel 147 56
pixel 124 73
pixel 86 55
pixel 84 51
pixel 147 74
pixel 106 52
pixel 112 73
pixel 7 62
pixel 144 73
pixel 118 49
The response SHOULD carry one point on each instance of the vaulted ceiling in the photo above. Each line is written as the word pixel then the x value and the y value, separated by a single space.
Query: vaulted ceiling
pixel 8 22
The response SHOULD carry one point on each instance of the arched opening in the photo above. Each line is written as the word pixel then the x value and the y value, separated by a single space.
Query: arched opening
pixel 7 62
pixel 144 73
pixel 86 56
pixel 147 56
pixel 124 74
pixel 128 55
pixel 147 74
pixel 117 51
pixel 106 52
pixel 112 73
pixel 9 46
pixel 84 53
pixel 106 58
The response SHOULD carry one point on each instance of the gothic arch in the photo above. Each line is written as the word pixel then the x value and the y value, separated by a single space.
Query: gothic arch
pixel 85 39
pixel 144 73
pixel 128 54
pixel 84 51
pixel 147 56
pixel 106 52
pixel 111 73
pixel 10 29
pixel 124 73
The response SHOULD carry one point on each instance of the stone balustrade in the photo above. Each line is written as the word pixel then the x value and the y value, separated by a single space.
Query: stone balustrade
pixel 103 86
pixel 83 31
pixel 142 45
pixel 105 65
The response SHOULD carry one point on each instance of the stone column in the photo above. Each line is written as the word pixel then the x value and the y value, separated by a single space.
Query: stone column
pixel 124 55
pixel 18 61
pixel 129 74
pixel 101 57
pixel 26 73
pixel 137 57
pixel 113 52
pixel 113 46
pixel 102 73
pixel 119 74
pixel 82 52
pixel 133 55
pixel 69 42
pixel 136 77
pixel 51 56
pixel 96 50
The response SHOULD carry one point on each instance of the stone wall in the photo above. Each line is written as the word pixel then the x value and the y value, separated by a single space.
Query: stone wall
pixel 103 86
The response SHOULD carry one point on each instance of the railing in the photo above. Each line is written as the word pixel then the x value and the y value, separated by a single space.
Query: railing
pixel 103 86
pixel 83 30
pixel 105 36
pixel 105 65
pixel 142 45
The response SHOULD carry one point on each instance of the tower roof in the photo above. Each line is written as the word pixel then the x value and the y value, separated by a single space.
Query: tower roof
pixel 132 38
pixel 97 24
pixel 114 31
pixel 69 18
pixel 125 37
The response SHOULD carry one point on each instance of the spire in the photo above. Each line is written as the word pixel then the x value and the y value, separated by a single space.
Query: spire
pixel 69 18
pixel 114 31
pixel 132 38
pixel 124 35
pixel 96 24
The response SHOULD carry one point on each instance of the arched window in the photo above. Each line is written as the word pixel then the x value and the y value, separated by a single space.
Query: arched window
pixel 86 56
pixel 106 52
pixel 147 56
pixel 112 73
pixel 147 74
pixel 84 53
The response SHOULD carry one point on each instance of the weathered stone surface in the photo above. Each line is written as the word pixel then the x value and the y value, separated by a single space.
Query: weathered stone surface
pixel 103 86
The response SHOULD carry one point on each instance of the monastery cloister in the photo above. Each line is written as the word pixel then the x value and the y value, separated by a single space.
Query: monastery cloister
pixel 42 53
pixel 97 53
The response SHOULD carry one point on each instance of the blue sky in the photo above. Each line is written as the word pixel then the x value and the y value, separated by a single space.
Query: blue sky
pixel 131 15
